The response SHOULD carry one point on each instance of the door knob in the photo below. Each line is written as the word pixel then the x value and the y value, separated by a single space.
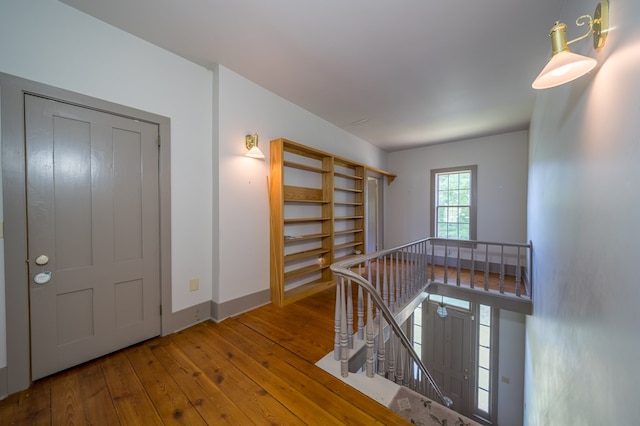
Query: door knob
pixel 42 260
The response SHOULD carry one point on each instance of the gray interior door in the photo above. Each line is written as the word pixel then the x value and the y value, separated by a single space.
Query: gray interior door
pixel 447 354
pixel 93 233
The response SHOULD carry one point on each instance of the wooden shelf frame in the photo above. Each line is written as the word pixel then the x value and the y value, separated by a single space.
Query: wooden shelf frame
pixel 317 189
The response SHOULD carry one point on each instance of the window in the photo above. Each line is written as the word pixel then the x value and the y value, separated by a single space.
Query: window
pixel 483 388
pixel 453 203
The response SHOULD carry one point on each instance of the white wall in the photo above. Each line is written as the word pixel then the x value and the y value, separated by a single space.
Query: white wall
pixel 502 187
pixel 49 42
pixel 584 209
pixel 243 204
pixel 3 313
pixel 220 231
pixel 511 335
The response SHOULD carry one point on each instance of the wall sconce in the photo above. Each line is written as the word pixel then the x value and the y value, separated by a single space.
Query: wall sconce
pixel 251 142
pixel 442 310
pixel 565 66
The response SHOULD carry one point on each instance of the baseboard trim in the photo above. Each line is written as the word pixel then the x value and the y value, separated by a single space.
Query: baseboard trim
pixel 224 310
pixel 190 316
pixel 4 389
pixel 217 312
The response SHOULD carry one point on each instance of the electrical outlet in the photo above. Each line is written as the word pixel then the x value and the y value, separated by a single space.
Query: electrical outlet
pixel 194 284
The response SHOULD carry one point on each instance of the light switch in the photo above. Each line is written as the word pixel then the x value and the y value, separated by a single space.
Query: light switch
pixel 194 284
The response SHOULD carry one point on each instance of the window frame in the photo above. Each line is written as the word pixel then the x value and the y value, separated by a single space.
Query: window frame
pixel 473 210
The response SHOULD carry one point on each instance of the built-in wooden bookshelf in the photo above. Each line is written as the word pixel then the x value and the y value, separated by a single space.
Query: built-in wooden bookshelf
pixel 318 209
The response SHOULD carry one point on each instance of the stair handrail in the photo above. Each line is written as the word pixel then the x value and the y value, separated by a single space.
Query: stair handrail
pixel 341 270
pixel 411 283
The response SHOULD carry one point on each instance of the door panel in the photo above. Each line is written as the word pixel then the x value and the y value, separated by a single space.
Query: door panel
pixel 92 208
pixel 448 354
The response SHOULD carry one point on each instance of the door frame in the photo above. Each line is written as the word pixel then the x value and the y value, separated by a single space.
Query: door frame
pixel 12 90
pixel 379 196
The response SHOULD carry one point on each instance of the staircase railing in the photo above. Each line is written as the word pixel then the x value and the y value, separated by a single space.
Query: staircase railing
pixel 395 281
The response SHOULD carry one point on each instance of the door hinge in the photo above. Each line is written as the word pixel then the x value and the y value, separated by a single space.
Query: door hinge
pixel 160 310
pixel 158 140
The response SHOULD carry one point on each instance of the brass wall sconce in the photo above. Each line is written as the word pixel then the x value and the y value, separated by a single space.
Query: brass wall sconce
pixel 565 66
pixel 251 143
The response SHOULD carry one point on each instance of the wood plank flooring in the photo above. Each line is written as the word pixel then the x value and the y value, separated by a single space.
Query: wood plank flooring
pixel 256 368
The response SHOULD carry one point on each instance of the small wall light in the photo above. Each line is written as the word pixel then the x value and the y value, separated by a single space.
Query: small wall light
pixel 442 310
pixel 565 66
pixel 251 142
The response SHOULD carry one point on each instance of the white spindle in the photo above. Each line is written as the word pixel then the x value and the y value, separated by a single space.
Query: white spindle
pixel 385 282
pixel 446 261
pixel 349 314
pixel 370 339
pixel 337 315
pixel 360 314
pixel 381 348
pixel 472 272
pixel 502 269
pixel 458 265
pixel 518 273
pixel 400 364
pixel 391 357
pixel 344 339
pixel 486 267
pixel 378 288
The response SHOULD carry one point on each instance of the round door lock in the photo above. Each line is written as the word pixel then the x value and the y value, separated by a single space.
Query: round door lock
pixel 42 277
pixel 42 260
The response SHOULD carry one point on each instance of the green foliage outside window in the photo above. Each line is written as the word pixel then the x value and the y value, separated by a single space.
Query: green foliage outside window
pixel 453 205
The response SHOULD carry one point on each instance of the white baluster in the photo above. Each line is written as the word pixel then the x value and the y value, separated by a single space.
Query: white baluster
pixel 385 283
pixel 381 347
pixel 433 262
pixel 392 292
pixel 344 339
pixel 472 272
pixel 400 364
pixel 370 338
pixel 360 314
pixel 391 359
pixel 378 288
pixel 518 274
pixel 336 327
pixel 458 265
pixel 502 269
pixel 486 267
pixel 408 375
pixel 349 314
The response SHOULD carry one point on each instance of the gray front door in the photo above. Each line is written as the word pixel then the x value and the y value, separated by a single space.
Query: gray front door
pixel 447 354
pixel 93 233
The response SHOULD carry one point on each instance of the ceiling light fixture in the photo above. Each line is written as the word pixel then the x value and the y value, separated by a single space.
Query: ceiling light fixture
pixel 251 143
pixel 565 66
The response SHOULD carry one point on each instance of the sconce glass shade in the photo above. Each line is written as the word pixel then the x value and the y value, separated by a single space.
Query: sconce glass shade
pixel 251 143
pixel 563 67
pixel 442 311
pixel 255 153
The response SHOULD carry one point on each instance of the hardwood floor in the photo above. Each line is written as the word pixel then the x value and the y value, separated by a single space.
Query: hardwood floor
pixel 256 368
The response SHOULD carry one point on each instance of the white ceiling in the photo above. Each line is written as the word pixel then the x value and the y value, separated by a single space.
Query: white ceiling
pixel 418 71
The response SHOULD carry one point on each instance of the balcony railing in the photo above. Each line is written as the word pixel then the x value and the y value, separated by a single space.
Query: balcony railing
pixel 377 293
